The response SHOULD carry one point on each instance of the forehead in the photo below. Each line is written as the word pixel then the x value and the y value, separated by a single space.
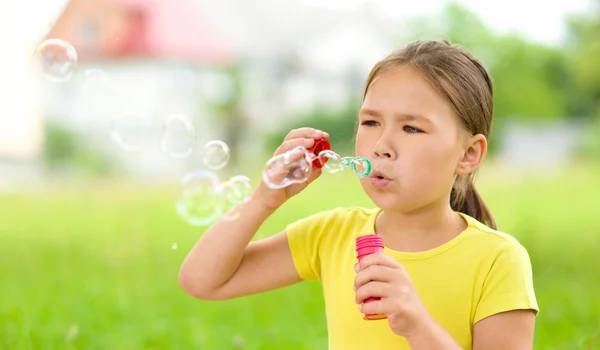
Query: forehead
pixel 407 91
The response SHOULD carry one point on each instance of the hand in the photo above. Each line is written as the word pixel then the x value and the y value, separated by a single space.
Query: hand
pixel 306 137
pixel 379 275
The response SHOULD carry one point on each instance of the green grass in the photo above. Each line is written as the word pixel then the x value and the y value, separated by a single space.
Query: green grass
pixel 93 268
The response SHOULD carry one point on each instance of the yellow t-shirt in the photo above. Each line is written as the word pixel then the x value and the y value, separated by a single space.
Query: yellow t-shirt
pixel 478 273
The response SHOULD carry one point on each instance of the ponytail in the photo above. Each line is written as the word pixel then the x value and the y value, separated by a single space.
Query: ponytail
pixel 466 199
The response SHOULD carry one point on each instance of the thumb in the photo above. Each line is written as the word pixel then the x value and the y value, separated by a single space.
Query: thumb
pixel 314 174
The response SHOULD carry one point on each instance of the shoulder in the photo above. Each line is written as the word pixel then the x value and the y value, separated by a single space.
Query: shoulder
pixel 505 276
pixel 490 237
pixel 499 248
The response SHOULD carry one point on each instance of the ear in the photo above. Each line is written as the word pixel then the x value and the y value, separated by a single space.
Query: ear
pixel 475 151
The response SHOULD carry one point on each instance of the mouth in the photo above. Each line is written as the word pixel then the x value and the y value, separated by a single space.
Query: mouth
pixel 377 174
pixel 379 179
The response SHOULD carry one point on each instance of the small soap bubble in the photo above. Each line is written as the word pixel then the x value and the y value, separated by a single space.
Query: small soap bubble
pixel 72 333
pixel 238 189
pixel 334 162
pixel 293 166
pixel 174 246
pixel 216 154
pixel 56 59
pixel 178 136
pixel 95 80
pixel 361 166
pixel 238 341
pixel 202 198
pixel 130 132
pixel 296 154
pixel 346 161
pixel 96 76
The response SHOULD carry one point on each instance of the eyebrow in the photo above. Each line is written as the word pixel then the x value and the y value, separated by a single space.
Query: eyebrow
pixel 401 116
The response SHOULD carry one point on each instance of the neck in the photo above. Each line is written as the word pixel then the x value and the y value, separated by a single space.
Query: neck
pixel 419 230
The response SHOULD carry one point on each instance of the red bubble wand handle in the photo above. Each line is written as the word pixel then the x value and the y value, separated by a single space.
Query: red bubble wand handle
pixel 315 153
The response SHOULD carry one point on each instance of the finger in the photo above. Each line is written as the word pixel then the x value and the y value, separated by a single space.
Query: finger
pixel 379 258
pixel 377 307
pixel 288 155
pixel 373 289
pixel 293 143
pixel 374 273
pixel 306 132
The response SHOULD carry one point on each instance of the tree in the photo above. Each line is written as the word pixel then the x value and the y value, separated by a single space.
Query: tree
pixel 531 81
pixel 583 48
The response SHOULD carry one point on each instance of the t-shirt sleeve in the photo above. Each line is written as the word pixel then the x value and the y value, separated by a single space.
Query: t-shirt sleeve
pixel 509 284
pixel 304 239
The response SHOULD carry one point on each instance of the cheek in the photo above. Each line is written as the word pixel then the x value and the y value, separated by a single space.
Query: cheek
pixel 435 160
pixel 360 144
pixel 450 154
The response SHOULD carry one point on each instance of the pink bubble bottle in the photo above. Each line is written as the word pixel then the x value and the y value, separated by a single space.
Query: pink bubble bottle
pixel 364 246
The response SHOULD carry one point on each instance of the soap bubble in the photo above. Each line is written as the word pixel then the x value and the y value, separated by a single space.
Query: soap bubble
pixel 216 154
pixel 178 136
pixel 130 132
pixel 238 189
pixel 236 192
pixel 293 166
pixel 202 198
pixel 96 81
pixel 361 166
pixel 238 341
pixel 96 77
pixel 334 162
pixel 56 59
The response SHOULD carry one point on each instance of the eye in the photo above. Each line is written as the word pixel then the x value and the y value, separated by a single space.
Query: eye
pixel 369 123
pixel 411 130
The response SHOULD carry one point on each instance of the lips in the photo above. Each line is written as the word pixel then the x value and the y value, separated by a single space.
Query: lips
pixel 379 179
pixel 378 174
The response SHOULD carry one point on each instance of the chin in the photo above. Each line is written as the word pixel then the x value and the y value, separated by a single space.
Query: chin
pixel 389 205
pixel 389 200
pixel 386 201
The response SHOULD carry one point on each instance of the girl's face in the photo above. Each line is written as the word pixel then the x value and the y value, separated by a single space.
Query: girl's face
pixel 413 139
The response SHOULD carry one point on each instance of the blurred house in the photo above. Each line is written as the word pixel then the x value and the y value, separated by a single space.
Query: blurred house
pixel 167 57
pixel 542 147
pixel 147 58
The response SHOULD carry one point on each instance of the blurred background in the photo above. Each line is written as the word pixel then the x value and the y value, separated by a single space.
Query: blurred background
pixel 105 128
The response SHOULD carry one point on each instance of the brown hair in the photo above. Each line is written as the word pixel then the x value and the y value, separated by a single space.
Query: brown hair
pixel 463 81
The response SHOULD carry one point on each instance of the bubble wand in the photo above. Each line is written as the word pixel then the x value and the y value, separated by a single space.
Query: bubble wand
pixel 295 165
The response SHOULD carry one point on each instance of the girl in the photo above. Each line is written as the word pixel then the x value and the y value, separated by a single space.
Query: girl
pixel 447 278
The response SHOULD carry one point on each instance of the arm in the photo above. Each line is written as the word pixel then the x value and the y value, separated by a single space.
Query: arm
pixel 506 330
pixel 432 336
pixel 505 314
pixel 222 265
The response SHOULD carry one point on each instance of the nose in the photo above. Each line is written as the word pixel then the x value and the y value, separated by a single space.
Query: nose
pixel 383 149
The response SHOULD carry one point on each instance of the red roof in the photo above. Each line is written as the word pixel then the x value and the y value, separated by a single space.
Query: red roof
pixel 174 29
